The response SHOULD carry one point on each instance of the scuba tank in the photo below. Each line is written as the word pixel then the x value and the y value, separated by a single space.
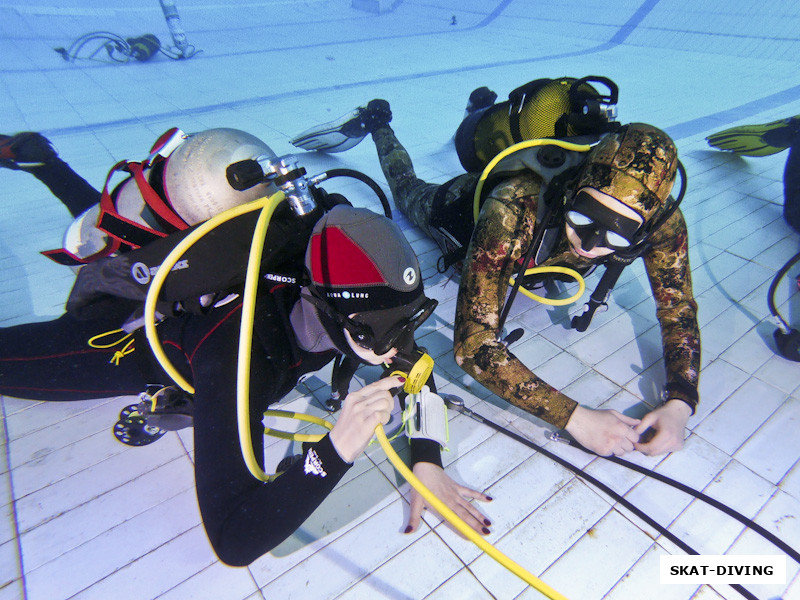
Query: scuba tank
pixel 158 410
pixel 543 108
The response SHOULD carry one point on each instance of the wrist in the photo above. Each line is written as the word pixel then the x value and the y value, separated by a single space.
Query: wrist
pixel 575 419
pixel 344 450
pixel 680 405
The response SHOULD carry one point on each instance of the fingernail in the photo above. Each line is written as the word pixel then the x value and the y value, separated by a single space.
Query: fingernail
pixel 487 522
pixel 408 529
pixel 486 531
pixel 489 498
pixel 402 379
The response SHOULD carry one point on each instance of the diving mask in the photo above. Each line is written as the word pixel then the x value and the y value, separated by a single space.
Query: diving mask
pixel 380 331
pixel 597 225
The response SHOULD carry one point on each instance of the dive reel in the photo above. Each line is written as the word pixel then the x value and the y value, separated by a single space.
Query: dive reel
pixel 787 339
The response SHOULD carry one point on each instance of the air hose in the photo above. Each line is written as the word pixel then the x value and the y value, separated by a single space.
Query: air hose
pixel 550 301
pixel 459 523
pixel 458 404
pixel 476 204
pixel 267 207
pixel 516 283
pixel 387 210
pixel 787 338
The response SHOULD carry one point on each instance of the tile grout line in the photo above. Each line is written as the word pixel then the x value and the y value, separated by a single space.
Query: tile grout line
pixel 17 539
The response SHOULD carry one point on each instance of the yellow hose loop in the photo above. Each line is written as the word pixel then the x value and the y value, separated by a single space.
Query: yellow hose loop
pixel 267 207
pixel 246 335
pixel 510 150
pixel 554 302
pixel 166 266
pixel 459 523
pixel 297 437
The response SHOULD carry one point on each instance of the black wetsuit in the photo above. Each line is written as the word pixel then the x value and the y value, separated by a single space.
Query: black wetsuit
pixel 243 517
pixel 791 187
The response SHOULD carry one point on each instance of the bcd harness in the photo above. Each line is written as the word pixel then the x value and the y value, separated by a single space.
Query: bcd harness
pixel 123 232
pixel 556 162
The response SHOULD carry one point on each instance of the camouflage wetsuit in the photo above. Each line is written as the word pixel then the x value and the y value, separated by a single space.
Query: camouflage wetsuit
pixel 501 236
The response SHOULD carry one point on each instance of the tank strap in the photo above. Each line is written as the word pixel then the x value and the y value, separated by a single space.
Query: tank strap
pixel 64 257
pixel 152 199
pixel 124 230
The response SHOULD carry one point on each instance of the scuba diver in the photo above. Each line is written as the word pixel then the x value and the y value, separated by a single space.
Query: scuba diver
pixel 766 139
pixel 341 282
pixel 605 205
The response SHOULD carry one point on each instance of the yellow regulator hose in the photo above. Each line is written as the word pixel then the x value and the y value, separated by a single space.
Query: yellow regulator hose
pixel 267 207
pixel 459 523
pixel 554 302
pixel 510 150
pixel 476 205
pixel 246 337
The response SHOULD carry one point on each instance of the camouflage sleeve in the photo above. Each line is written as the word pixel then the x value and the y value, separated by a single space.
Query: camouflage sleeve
pixel 502 234
pixel 667 264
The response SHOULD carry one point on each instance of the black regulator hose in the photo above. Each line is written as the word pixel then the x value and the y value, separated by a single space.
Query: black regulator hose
pixel 387 210
pixel 458 404
pixel 787 339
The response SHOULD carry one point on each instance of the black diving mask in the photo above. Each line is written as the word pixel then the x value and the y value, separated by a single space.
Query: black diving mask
pixel 596 225
pixel 369 330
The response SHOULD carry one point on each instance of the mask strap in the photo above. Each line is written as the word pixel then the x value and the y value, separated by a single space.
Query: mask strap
pixel 357 330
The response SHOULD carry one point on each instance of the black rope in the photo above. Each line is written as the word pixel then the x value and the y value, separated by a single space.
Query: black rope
pixel 791 552
pixel 749 523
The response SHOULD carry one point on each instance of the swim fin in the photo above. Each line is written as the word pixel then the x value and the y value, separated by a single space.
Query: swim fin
pixel 347 131
pixel 335 136
pixel 758 140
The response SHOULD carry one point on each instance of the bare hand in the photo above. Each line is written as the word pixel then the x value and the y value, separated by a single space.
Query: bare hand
pixel 362 411
pixel 669 423
pixel 456 497
pixel 605 431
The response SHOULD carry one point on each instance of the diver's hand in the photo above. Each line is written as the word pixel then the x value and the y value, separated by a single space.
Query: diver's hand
pixel 456 497
pixel 362 411
pixel 669 423
pixel 603 431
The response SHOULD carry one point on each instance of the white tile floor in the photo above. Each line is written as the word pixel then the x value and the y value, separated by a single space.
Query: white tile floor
pixel 85 517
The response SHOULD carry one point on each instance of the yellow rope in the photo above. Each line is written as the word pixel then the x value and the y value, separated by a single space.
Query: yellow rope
pixel 119 354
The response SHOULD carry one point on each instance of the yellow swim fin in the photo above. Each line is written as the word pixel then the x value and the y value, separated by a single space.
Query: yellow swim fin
pixel 757 140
